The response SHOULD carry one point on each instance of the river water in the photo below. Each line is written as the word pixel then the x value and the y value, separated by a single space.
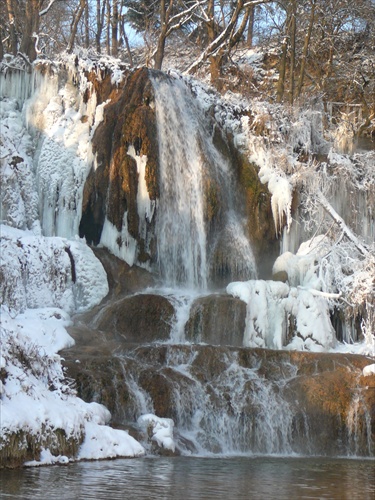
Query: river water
pixel 258 478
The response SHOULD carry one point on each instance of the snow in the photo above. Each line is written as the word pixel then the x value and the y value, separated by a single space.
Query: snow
pixel 120 243
pixel 43 271
pixel 270 304
pixel 46 458
pixel 37 398
pixel 159 429
pixel 104 442
pixel 369 370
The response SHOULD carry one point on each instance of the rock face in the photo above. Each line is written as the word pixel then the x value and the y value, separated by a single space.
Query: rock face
pixel 24 446
pixel 141 318
pixel 111 189
pixel 257 204
pixel 216 320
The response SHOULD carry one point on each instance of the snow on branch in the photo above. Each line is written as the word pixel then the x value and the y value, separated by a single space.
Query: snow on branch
pixel 183 17
pixel 322 200
pixel 256 2
pixel 219 41
pixel 44 11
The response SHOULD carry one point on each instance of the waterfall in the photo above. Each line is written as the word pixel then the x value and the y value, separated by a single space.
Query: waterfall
pixel 195 178
pixel 235 411
pixel 226 400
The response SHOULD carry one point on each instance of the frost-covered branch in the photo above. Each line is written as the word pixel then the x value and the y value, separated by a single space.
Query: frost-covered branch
pixel 219 41
pixel 44 11
pixel 340 222
pixel 319 293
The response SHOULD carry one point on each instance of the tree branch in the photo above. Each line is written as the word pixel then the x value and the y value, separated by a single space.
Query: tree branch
pixel 322 200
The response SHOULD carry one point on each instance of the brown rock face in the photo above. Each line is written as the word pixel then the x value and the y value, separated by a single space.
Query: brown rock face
pixel 140 318
pixel 122 278
pixel 111 188
pixel 217 320
pixel 256 203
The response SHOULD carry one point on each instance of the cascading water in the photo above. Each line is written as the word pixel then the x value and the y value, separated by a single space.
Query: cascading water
pixel 192 170
pixel 225 400
pixel 228 409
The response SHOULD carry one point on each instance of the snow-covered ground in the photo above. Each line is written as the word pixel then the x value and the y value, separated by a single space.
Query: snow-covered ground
pixel 48 273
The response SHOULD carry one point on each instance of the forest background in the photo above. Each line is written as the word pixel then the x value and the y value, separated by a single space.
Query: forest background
pixel 319 48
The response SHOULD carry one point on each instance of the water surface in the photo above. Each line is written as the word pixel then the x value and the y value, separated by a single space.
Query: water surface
pixel 263 478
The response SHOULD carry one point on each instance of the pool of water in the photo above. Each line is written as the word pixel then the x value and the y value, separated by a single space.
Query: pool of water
pixel 262 478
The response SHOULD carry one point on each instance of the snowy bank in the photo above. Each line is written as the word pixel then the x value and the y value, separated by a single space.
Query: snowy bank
pixel 39 407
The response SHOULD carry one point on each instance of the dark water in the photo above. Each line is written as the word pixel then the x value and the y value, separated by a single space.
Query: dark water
pixel 231 478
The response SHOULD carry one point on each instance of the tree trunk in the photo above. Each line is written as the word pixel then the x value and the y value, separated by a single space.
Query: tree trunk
pixel 305 50
pixel 292 51
pixel 108 29
pixel 1 44
pixel 74 26
pixel 31 26
pixel 165 13
pixel 100 13
pixel 250 26
pixel 283 59
pixel 215 70
pixel 87 31
pixel 123 32
pixel 114 24
pixel 12 28
pixel 282 71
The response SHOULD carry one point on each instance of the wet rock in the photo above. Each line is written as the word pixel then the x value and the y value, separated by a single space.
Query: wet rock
pixel 280 276
pixel 140 318
pixel 216 320
pixel 160 389
pixel 267 401
pixel 23 446
pixel 111 188
pixel 122 278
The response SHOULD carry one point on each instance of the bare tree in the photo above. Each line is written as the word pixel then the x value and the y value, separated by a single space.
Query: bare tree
pixel 306 47
pixel 292 64
pixel 100 14
pixel 222 38
pixel 74 25
pixel 250 26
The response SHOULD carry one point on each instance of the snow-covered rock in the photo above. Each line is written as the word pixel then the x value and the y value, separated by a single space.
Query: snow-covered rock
pixel 160 430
